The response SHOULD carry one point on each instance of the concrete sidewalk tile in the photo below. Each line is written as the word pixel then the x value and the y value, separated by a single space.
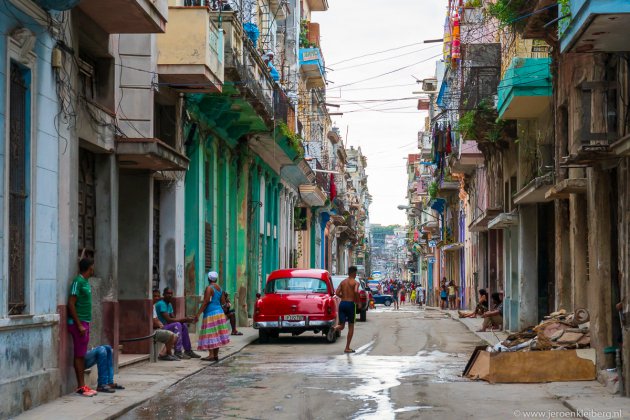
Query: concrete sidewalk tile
pixel 142 382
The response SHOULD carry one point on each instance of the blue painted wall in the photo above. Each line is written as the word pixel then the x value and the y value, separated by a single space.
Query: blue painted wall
pixel 30 362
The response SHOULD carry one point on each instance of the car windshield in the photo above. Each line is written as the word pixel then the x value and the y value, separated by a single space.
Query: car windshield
pixel 296 285
pixel 336 281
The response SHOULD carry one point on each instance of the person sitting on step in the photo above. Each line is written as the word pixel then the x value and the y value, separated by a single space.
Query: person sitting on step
pixel 166 315
pixel 103 358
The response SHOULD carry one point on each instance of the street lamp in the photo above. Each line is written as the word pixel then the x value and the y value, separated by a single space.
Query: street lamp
pixel 416 211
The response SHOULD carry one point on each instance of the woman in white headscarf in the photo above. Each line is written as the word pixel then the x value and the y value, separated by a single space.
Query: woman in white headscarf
pixel 215 332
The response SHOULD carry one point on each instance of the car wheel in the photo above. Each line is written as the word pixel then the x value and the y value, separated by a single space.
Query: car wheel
pixel 363 315
pixel 388 303
pixel 331 335
pixel 263 337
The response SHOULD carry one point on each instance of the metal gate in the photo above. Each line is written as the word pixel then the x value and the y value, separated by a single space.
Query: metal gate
pixel 18 193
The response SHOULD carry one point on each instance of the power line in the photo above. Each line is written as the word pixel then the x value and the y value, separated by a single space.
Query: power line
pixel 377 52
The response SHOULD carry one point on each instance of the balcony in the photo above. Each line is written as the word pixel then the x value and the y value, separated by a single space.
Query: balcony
pixel 190 55
pixel 149 153
pixel 480 223
pixel 566 187
pixel 317 5
pixel 536 191
pixel 503 221
pixel 448 187
pixel 525 90
pixel 312 66
pixel 468 158
pixel 595 26
pixel 244 66
pixel 599 137
pixel 127 16
pixel 481 70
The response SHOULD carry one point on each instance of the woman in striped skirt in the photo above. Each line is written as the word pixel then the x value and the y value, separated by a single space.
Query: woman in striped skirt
pixel 215 332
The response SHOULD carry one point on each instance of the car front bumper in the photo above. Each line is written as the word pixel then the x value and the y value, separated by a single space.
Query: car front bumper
pixel 305 324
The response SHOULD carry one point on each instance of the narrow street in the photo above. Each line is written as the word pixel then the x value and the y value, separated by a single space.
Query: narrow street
pixel 407 366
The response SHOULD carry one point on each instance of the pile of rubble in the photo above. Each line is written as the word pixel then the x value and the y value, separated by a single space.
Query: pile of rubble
pixel 558 331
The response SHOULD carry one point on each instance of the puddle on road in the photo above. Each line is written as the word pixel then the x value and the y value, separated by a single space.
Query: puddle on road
pixel 363 378
pixel 380 374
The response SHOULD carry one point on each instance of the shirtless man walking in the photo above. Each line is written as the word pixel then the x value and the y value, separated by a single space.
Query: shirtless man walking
pixel 348 292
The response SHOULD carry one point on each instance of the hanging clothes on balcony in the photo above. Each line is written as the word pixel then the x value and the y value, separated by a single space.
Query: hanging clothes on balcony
pixel 333 187
pixel 449 147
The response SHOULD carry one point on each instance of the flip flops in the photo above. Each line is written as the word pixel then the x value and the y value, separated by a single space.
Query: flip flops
pixel 237 333
pixel 349 351
pixel 210 359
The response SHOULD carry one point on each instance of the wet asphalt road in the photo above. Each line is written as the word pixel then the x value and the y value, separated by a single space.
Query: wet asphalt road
pixel 408 365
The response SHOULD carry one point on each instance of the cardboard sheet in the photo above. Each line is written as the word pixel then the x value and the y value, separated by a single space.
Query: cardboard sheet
pixel 532 366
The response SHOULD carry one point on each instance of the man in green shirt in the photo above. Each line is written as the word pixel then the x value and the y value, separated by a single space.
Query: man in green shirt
pixel 80 311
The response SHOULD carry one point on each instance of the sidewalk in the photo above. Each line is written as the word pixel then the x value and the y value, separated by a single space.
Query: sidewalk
pixel 142 381
pixel 588 399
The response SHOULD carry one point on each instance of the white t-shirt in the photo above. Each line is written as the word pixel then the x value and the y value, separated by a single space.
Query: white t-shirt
pixel 154 313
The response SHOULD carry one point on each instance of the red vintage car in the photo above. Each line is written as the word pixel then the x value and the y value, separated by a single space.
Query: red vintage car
pixel 295 301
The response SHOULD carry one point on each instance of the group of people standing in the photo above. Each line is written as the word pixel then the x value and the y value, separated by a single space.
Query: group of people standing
pixel 401 292
pixel 215 310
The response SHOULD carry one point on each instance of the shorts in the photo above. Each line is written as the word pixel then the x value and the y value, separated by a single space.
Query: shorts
pixel 443 297
pixel 347 312
pixel 80 341
pixel 163 336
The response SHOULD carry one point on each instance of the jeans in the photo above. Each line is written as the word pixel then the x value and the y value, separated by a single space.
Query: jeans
pixel 183 339
pixel 102 357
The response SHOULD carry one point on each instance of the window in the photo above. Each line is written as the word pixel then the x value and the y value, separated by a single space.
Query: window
pixel 87 204
pixel 18 197
pixel 164 123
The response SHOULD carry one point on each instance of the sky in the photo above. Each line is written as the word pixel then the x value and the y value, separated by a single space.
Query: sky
pixel 351 28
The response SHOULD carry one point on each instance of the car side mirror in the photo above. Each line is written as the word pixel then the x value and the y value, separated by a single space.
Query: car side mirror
pixel 258 295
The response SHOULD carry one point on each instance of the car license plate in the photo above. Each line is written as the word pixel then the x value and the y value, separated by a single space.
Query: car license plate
pixel 293 317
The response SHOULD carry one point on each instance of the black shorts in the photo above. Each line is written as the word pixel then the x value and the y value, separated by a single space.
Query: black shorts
pixel 347 312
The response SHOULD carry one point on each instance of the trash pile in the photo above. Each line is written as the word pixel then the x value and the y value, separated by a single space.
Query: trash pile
pixel 558 331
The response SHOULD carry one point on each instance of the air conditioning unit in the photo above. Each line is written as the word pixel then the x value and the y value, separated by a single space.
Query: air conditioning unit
pixel 429 85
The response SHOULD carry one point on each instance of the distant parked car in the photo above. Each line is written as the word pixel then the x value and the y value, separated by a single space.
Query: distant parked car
pixel 295 301
pixel 386 300
pixel 364 294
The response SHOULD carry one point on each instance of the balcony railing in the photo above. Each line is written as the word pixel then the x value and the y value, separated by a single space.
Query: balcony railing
pixel 244 66
pixel 283 108
pixel 321 178
pixel 313 67
pixel 481 67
